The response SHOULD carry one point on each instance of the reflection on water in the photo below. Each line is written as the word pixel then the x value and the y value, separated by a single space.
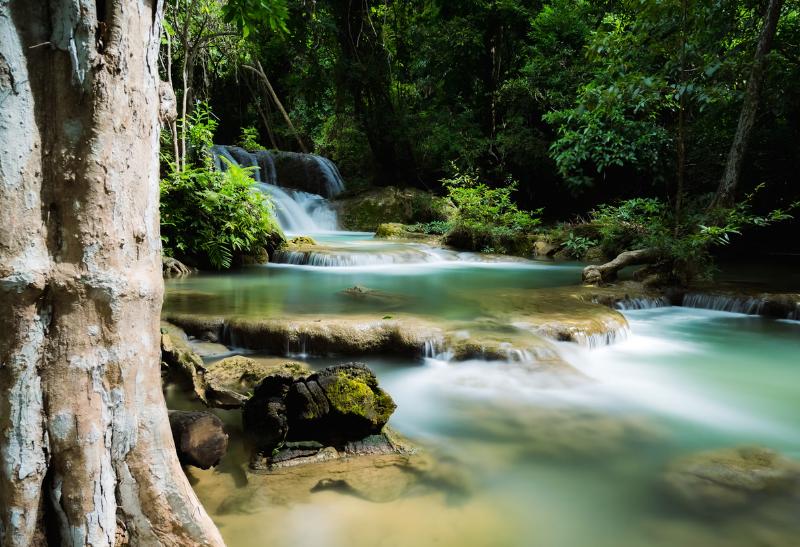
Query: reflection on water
pixel 528 459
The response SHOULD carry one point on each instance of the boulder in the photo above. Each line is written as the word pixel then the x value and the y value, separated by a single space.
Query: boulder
pixel 302 240
pixel 230 381
pixel 200 438
pixel 307 172
pixel 731 479
pixel 337 405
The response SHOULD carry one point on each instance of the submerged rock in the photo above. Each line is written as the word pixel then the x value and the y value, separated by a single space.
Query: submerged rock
pixel 231 381
pixel 731 479
pixel 337 405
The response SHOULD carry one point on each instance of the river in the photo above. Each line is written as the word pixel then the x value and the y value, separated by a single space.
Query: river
pixel 539 462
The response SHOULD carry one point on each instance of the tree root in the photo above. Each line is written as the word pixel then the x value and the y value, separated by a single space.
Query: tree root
pixel 603 273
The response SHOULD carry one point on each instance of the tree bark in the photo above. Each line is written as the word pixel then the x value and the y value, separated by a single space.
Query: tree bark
pixel 726 190
pixel 603 273
pixel 84 433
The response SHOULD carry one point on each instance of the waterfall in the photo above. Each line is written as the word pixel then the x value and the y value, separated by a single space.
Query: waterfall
pixel 642 303
pixel 296 211
pixel 720 302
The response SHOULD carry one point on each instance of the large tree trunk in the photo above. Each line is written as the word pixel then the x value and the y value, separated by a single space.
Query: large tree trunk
pixel 726 191
pixel 86 452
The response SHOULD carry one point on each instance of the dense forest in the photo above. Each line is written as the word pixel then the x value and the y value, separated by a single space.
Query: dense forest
pixel 578 108
pixel 418 272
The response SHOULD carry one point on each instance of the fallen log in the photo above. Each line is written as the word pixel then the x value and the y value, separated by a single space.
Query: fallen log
pixel 597 274
pixel 200 438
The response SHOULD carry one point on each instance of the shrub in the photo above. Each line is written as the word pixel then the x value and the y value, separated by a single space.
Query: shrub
pixel 213 217
pixel 249 139
pixel 435 227
pixel 487 219
pixel 577 246
pixel 685 245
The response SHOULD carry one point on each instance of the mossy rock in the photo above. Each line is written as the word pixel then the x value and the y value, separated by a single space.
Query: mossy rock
pixel 302 240
pixel 335 406
pixel 352 391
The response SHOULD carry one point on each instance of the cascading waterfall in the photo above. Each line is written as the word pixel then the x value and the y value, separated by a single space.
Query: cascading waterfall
pixel 642 303
pixel 296 211
pixel 719 302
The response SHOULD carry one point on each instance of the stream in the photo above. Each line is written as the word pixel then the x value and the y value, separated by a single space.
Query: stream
pixel 547 465
pixel 538 462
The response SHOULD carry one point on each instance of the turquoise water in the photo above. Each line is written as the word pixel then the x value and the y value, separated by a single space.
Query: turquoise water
pixel 547 465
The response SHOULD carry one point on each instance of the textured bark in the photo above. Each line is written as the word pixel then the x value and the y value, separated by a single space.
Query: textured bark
pixel 86 452
pixel 747 117
pixel 603 273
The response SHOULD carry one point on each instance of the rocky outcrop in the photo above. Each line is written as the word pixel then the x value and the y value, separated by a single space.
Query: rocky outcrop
pixel 364 212
pixel 337 405
pixel 200 438
pixel 231 381
pixel 727 480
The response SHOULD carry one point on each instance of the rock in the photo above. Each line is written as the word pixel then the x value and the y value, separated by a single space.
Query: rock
pixel 208 349
pixel 595 254
pixel 302 240
pixel 200 438
pixel 265 416
pixel 256 257
pixel 366 211
pixel 334 335
pixel 339 404
pixel 358 407
pixel 307 172
pixel 544 248
pixel 731 479
pixel 204 327
pixel 183 365
pixel 231 381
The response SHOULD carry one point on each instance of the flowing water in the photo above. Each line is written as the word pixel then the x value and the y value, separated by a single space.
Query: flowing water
pixel 538 463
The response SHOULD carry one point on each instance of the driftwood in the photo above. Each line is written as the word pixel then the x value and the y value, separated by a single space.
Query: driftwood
pixel 603 273
pixel 200 438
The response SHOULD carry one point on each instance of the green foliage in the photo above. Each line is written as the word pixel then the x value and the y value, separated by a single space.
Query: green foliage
pixel 577 246
pixel 200 128
pixel 434 227
pixel 249 139
pixel 487 219
pixel 214 216
pixel 685 246
pixel 251 15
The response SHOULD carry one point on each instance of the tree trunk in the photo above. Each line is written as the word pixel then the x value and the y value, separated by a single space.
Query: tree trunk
pixel 747 117
pixel 86 452
pixel 199 437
